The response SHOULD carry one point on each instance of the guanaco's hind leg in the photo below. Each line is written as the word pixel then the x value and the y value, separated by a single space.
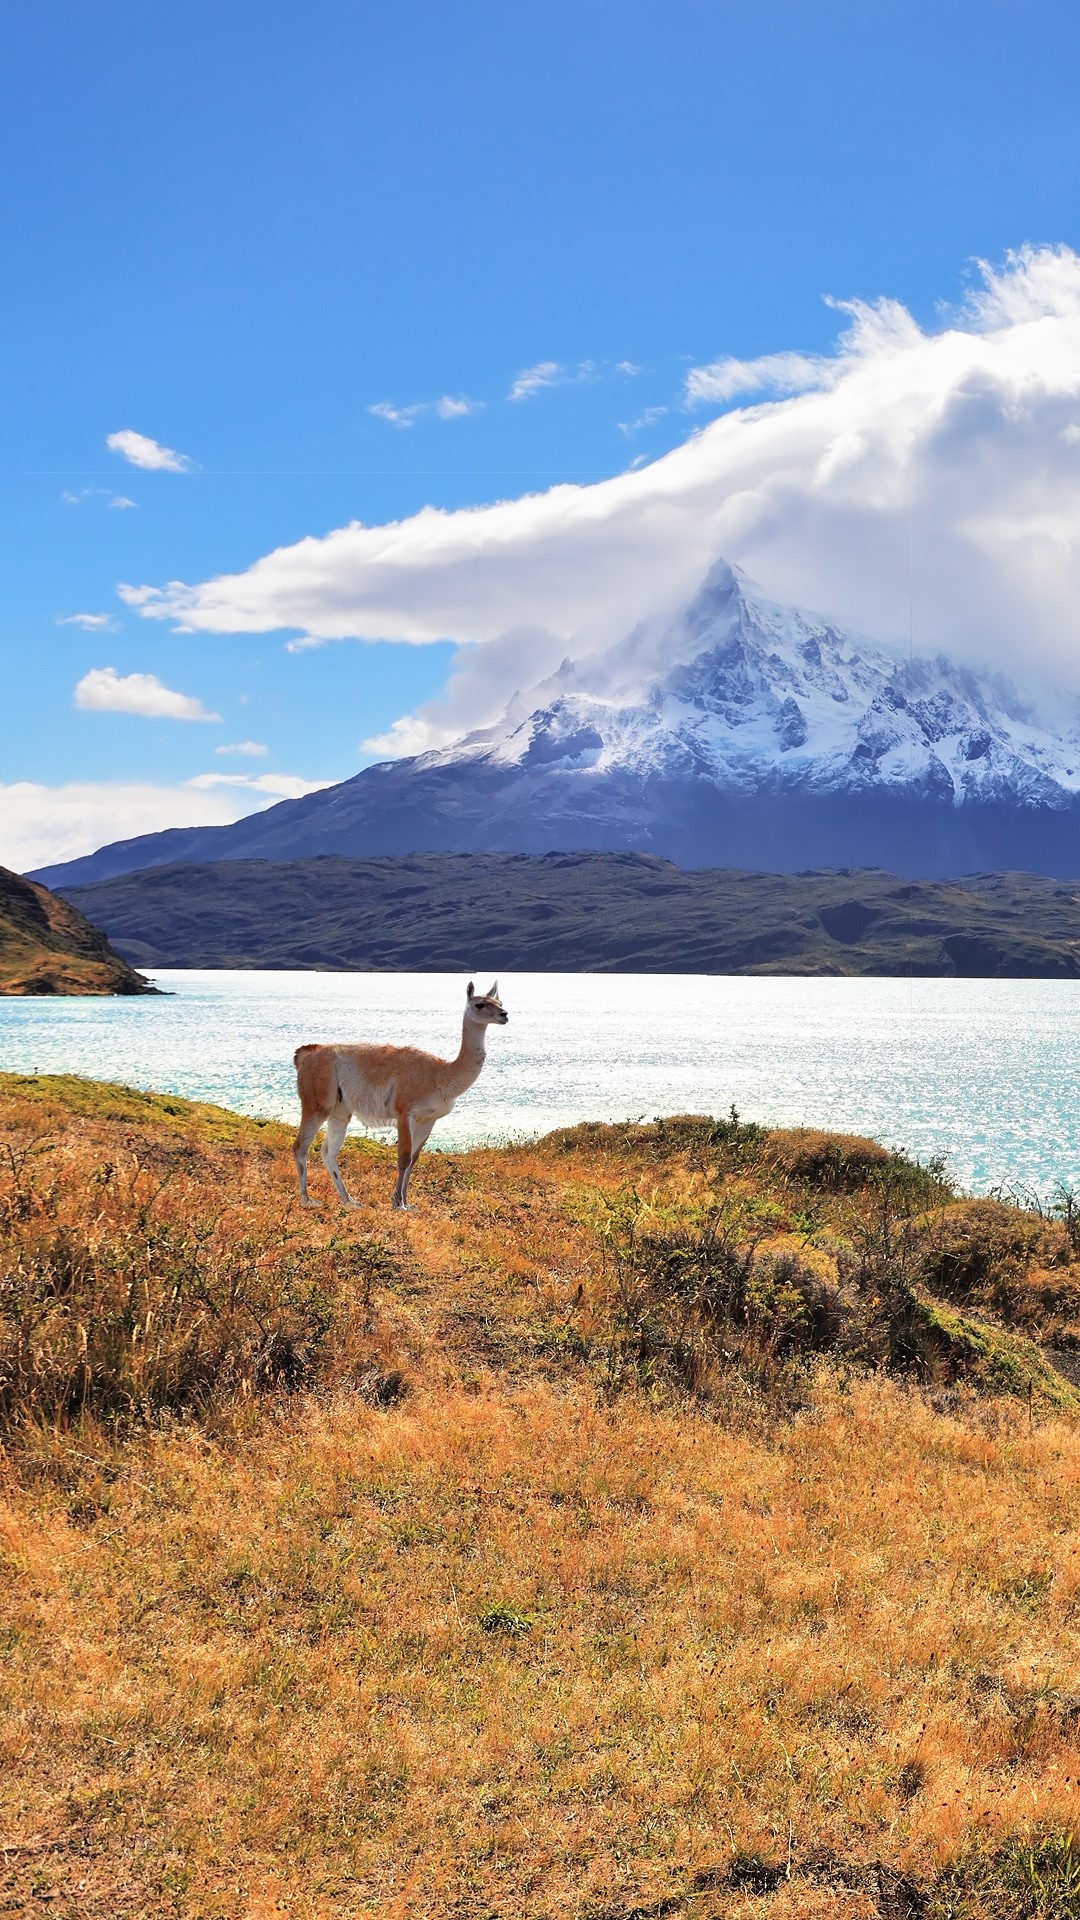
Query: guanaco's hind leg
pixel 336 1128
pixel 416 1134
pixel 309 1127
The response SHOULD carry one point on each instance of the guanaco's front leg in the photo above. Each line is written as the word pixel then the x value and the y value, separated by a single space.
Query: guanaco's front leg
pixel 404 1162
pixel 420 1131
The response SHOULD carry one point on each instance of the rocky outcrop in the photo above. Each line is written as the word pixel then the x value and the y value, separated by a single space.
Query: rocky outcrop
pixel 48 946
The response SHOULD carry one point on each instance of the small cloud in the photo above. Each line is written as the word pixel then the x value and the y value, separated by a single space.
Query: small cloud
pixel 141 451
pixel 137 596
pixel 304 643
pixel 250 747
pixel 643 420
pixel 546 373
pixel 551 373
pixel 93 622
pixel 628 368
pixel 87 493
pixel 450 409
pixel 407 736
pixel 103 690
pixel 784 373
pixel 282 786
pixel 397 416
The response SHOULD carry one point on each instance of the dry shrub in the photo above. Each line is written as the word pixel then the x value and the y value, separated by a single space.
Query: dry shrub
pixel 1016 1264
pixel 700 1138
pixel 842 1161
pixel 132 1290
pixel 691 1303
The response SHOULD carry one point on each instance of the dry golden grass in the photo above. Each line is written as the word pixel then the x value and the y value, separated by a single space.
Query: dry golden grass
pixel 485 1607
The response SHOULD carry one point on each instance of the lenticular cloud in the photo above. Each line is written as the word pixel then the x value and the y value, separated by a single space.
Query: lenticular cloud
pixel 912 484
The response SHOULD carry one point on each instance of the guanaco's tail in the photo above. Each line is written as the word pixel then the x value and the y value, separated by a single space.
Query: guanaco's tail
pixel 300 1052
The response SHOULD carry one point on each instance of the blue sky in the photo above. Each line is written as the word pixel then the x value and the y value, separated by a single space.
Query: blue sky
pixel 236 229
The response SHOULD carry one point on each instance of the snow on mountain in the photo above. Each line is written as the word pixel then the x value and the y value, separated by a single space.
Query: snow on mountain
pixel 738 690
pixel 740 734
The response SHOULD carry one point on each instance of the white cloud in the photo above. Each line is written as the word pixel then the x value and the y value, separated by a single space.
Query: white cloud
pixel 141 451
pixel 447 408
pixel 413 733
pixel 93 622
pixel 644 419
pixel 41 825
pixel 546 373
pixel 397 416
pixel 280 786
pixel 251 747
pixel 551 373
pixel 628 368
pixel 483 679
pixel 103 690
pixel 89 493
pixel 774 372
pixel 925 470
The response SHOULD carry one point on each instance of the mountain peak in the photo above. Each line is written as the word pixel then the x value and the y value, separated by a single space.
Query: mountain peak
pixel 743 692
pixel 737 732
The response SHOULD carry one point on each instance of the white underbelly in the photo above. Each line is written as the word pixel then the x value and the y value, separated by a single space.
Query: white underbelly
pixel 370 1103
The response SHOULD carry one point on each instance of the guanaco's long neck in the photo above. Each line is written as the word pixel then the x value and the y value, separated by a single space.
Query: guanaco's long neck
pixel 470 1060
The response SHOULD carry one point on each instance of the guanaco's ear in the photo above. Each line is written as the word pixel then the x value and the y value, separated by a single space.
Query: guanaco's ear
pixel 469 991
pixel 493 990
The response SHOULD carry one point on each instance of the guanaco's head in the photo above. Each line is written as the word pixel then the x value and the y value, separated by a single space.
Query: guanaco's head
pixel 486 1008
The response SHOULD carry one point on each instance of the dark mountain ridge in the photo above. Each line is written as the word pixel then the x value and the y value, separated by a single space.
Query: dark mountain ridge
pixel 583 912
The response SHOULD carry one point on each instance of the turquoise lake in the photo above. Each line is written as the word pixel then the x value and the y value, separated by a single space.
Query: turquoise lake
pixel 985 1072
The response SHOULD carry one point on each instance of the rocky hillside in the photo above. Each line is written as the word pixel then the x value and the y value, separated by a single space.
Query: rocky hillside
pixel 739 734
pixel 48 946
pixel 583 913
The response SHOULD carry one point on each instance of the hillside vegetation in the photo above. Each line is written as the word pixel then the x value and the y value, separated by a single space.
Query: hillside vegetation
pixel 584 912
pixel 671 1519
pixel 47 946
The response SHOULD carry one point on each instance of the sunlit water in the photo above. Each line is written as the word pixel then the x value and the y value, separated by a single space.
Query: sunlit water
pixel 986 1072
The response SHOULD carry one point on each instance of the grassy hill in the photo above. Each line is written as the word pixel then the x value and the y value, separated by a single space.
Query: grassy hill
pixel 582 913
pixel 672 1520
pixel 47 946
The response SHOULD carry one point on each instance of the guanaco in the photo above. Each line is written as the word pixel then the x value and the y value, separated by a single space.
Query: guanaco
pixel 383 1085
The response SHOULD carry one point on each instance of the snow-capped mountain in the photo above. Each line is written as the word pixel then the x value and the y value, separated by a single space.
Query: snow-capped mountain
pixel 740 734
pixel 740 691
